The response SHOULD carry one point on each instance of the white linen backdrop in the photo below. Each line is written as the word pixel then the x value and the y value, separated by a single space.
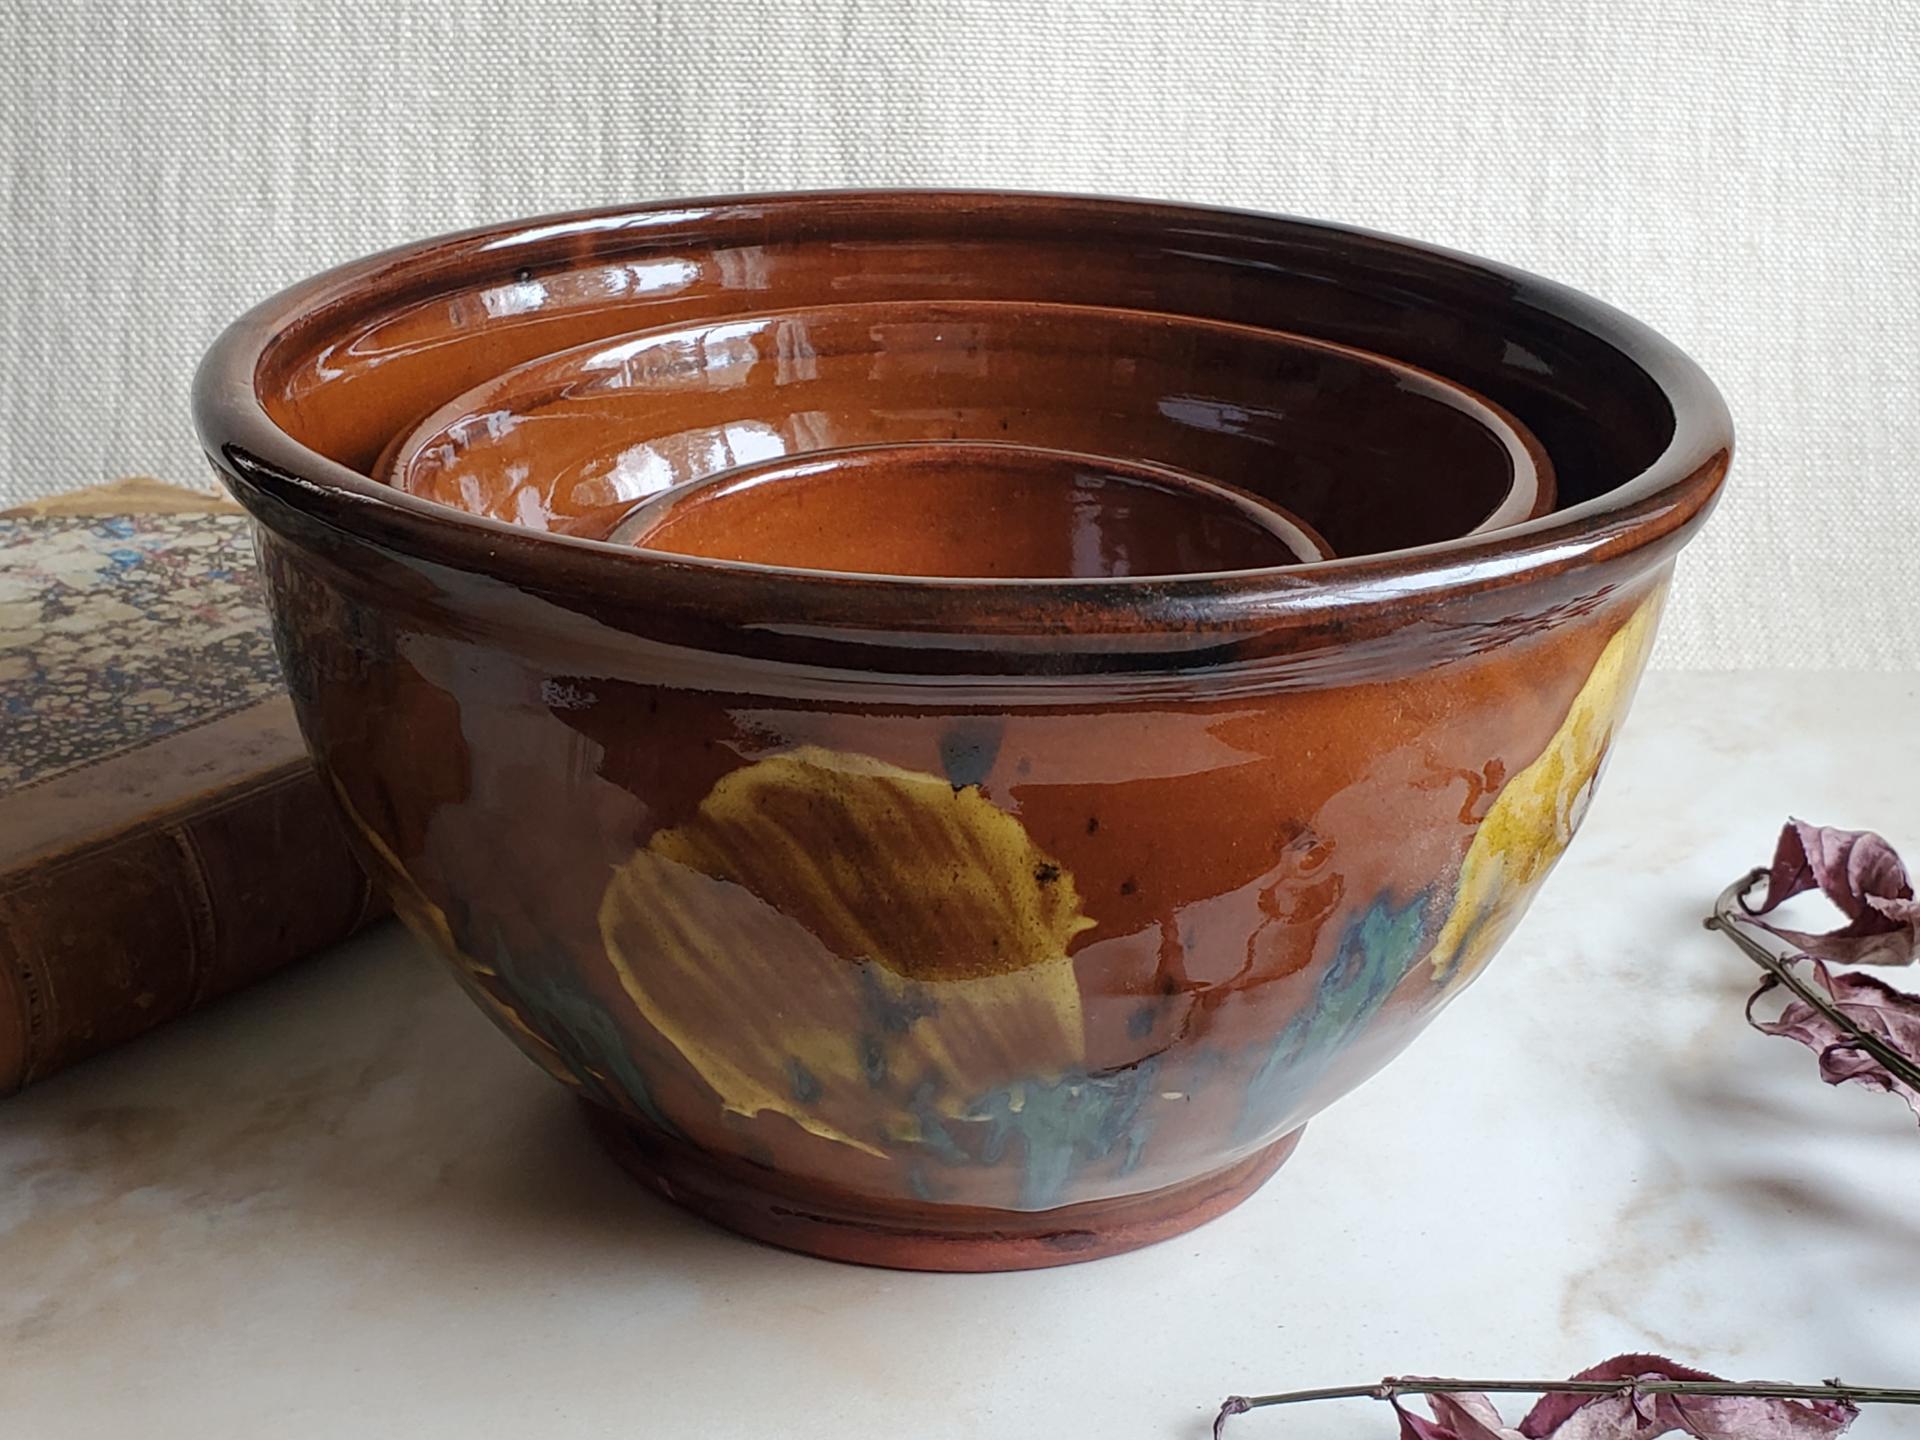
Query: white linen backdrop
pixel 1740 175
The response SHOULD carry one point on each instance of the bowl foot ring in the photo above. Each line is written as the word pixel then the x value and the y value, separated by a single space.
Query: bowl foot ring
pixel 903 1236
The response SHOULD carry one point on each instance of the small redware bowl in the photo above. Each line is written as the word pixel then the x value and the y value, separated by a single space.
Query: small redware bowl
pixel 1373 453
pixel 936 922
pixel 1009 512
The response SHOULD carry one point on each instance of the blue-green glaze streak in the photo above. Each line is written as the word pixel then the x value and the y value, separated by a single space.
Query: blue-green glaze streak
pixel 1376 951
pixel 584 1035
pixel 1060 1125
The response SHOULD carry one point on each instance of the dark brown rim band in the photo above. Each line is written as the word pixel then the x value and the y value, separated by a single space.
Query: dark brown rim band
pixel 1645 518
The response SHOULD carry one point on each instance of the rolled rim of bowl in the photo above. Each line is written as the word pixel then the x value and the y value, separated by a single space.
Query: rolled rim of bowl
pixel 1637 523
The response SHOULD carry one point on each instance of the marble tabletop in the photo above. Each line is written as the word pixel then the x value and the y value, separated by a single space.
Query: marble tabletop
pixel 341 1206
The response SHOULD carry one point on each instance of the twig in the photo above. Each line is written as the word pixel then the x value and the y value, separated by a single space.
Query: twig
pixel 1395 1386
pixel 1730 919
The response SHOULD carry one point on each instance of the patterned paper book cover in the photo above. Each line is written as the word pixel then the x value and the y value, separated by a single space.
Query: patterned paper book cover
pixel 163 838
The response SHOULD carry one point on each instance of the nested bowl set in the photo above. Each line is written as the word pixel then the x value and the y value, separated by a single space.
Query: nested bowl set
pixel 956 722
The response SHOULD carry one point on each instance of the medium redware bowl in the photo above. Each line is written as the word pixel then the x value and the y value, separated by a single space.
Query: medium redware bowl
pixel 1374 453
pixel 955 922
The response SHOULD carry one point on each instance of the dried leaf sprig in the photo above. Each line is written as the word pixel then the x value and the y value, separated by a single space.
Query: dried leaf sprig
pixel 1863 877
pixel 1630 1397
pixel 1862 1028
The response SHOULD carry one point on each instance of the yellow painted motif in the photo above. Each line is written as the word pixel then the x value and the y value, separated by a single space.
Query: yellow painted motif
pixel 853 945
pixel 1538 810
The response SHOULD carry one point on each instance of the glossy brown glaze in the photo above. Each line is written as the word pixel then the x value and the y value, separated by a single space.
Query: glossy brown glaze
pixel 1000 511
pixel 921 920
pixel 1375 454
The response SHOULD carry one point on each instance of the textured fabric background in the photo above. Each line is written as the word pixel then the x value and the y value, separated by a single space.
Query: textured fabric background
pixel 1741 175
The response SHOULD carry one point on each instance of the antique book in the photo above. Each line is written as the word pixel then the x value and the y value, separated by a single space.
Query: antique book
pixel 163 837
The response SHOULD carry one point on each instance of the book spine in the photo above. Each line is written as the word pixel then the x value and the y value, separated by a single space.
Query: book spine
pixel 104 943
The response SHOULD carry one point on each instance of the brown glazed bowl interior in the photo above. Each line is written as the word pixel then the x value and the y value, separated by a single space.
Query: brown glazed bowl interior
pixel 1375 454
pixel 1001 511
pixel 955 922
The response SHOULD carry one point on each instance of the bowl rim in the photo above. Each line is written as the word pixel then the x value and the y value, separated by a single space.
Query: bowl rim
pixel 277 476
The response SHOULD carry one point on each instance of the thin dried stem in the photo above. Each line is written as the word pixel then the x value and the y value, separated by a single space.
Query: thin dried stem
pixel 1729 917
pixel 1395 1386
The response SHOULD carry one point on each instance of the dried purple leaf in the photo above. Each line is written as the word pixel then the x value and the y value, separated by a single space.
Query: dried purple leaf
pixel 1706 1417
pixel 1860 873
pixel 1629 1414
pixel 1874 1006
pixel 1455 1417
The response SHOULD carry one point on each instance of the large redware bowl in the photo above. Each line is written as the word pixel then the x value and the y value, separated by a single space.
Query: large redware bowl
pixel 943 922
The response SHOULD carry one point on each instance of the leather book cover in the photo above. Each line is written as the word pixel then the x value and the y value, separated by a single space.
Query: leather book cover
pixel 163 838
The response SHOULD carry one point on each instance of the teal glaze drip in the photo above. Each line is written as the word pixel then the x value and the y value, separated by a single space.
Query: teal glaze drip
pixel 934 1134
pixel 1057 1123
pixel 1376 951
pixel 1077 1119
pixel 969 748
pixel 584 1034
